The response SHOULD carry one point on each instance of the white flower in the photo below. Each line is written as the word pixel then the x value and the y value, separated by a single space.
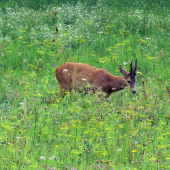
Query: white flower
pixel 119 149
pixel 21 103
pixel 53 157
pixel 42 157
pixel 18 137
pixel 84 79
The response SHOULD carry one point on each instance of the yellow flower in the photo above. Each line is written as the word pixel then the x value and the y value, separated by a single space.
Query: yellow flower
pixel 160 146
pixel 56 146
pixel 20 38
pixel 134 151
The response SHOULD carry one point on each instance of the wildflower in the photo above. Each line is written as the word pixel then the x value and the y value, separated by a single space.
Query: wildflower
pixel 29 125
pixel 160 146
pixel 42 157
pixel 134 151
pixel 119 149
pixel 20 38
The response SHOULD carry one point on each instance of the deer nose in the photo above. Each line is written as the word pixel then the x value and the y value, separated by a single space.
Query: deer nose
pixel 133 92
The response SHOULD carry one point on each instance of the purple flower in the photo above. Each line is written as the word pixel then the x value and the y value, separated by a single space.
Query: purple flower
pixel 29 125
pixel 105 166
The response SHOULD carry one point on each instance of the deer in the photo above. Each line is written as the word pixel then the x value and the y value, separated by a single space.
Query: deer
pixel 80 76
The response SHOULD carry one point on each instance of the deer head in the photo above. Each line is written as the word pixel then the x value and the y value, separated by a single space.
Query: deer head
pixel 130 77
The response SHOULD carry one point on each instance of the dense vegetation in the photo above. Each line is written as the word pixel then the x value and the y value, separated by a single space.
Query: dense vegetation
pixel 124 131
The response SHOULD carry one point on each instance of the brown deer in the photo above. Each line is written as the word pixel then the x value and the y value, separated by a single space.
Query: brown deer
pixel 78 76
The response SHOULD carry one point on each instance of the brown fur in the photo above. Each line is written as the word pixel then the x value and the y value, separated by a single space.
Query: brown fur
pixel 79 75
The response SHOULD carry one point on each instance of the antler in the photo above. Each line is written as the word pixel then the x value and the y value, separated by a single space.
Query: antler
pixel 131 67
pixel 136 65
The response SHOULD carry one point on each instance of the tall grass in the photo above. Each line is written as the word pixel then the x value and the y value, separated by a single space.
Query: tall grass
pixel 125 131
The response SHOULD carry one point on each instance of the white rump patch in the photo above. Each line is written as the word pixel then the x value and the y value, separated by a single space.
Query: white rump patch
pixel 69 74
pixel 84 79
pixel 65 70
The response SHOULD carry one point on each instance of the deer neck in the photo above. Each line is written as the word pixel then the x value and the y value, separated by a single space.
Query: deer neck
pixel 119 84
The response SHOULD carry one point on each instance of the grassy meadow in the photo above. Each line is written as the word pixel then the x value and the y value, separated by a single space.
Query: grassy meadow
pixel 84 132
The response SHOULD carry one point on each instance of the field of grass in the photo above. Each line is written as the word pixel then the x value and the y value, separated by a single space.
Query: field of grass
pixel 41 131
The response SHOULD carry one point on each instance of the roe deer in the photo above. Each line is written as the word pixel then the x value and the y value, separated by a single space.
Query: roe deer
pixel 78 75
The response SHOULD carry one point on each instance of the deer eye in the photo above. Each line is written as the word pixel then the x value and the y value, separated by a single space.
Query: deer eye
pixel 129 82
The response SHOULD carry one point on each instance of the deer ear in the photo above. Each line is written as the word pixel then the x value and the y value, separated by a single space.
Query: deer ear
pixel 122 70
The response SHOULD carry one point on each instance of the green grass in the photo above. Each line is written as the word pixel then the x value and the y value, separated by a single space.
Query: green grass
pixel 125 131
